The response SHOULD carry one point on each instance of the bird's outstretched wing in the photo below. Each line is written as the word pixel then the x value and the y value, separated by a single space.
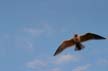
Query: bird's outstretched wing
pixel 64 45
pixel 90 36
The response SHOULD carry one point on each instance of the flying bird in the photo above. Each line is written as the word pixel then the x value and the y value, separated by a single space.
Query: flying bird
pixel 77 40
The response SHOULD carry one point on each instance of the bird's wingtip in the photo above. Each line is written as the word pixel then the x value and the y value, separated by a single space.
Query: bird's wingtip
pixel 55 54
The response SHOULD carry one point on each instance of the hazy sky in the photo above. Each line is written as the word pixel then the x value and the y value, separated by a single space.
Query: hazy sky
pixel 31 31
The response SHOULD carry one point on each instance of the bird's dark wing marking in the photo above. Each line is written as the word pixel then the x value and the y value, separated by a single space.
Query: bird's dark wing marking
pixel 64 45
pixel 90 36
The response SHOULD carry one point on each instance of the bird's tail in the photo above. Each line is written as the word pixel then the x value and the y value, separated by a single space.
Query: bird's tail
pixel 79 46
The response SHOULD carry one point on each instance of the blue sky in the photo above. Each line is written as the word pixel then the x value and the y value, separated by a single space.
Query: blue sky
pixel 31 31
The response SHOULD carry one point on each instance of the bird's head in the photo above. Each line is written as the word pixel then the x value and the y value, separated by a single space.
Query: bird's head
pixel 75 35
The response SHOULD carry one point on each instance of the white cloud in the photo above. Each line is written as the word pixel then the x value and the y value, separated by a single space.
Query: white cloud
pixel 82 68
pixel 45 65
pixel 34 31
pixel 65 58
pixel 102 61
pixel 50 64
pixel 55 69
pixel 24 43
pixel 36 64
pixel 41 64
pixel 29 45
pixel 42 30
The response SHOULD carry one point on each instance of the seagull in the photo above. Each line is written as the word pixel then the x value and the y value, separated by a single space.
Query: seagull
pixel 77 40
